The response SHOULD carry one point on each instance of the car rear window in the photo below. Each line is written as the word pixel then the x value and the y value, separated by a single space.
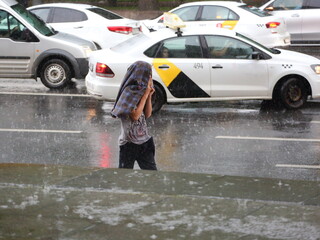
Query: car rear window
pixel 255 10
pixel 104 13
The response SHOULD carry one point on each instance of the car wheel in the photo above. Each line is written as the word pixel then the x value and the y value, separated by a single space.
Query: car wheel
pixel 55 73
pixel 293 93
pixel 158 98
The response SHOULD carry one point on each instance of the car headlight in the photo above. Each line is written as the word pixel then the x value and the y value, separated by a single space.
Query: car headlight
pixel 316 68
pixel 87 50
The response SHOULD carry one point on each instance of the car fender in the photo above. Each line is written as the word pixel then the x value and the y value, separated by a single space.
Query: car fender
pixel 278 79
pixel 56 53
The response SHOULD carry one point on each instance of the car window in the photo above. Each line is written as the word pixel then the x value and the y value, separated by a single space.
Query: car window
pixel 68 15
pixel 43 13
pixel 226 47
pixel 4 29
pixel 287 4
pixel 104 13
pixel 314 4
pixel 181 47
pixel 152 51
pixel 187 13
pixel 11 28
pixel 255 10
pixel 33 20
pixel 217 13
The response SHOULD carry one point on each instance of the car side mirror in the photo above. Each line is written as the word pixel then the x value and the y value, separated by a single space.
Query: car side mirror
pixel 257 56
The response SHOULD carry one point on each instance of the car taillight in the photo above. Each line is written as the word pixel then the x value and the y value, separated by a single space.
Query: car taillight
pixel 102 70
pixel 161 20
pixel 121 29
pixel 272 24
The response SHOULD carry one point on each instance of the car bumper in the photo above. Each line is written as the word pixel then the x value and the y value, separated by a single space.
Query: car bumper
pixel 275 40
pixel 102 89
pixel 315 85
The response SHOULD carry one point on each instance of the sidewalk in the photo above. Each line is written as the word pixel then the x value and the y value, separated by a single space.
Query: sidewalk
pixel 61 202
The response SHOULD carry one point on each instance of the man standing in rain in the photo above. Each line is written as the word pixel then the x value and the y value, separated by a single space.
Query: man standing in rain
pixel 133 105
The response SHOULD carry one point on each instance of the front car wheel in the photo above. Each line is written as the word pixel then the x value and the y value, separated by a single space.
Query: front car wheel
pixel 55 74
pixel 293 93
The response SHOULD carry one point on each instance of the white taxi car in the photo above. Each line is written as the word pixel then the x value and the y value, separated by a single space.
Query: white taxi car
pixel 257 24
pixel 201 66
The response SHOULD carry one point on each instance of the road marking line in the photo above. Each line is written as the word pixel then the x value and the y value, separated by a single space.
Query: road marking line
pixel 37 130
pixel 298 166
pixel 46 94
pixel 270 139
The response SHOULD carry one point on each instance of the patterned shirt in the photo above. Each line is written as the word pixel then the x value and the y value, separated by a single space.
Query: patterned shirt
pixel 134 131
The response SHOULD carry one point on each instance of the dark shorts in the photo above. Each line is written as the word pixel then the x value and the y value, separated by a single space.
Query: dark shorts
pixel 142 153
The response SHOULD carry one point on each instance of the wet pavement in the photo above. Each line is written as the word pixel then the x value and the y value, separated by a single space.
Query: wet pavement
pixel 238 138
pixel 61 202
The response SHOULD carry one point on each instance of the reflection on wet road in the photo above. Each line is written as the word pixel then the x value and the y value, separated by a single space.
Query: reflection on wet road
pixel 244 138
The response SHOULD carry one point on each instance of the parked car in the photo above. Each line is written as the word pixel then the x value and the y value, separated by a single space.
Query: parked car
pixel 30 49
pixel 302 18
pixel 197 65
pixel 101 26
pixel 250 21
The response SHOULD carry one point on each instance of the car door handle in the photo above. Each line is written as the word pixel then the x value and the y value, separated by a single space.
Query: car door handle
pixel 164 67
pixel 295 15
pixel 78 27
pixel 217 66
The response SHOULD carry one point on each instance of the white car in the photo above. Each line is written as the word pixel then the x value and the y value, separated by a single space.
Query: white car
pixel 207 66
pixel 250 21
pixel 31 49
pixel 98 25
pixel 302 18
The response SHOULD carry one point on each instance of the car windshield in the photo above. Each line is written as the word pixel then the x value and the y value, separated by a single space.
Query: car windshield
pixel 35 21
pixel 271 50
pixel 105 14
pixel 255 10
pixel 126 46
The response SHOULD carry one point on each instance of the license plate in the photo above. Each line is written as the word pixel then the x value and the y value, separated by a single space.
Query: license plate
pixel 135 31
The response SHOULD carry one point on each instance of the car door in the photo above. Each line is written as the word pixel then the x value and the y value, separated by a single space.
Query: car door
pixel 69 20
pixel 310 21
pixel 16 53
pixel 292 11
pixel 218 16
pixel 209 16
pixel 183 70
pixel 233 71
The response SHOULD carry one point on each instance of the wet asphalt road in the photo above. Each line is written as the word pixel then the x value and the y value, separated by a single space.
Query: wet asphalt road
pixel 241 138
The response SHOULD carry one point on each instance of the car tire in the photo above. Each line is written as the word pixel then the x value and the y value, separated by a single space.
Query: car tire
pixel 158 98
pixel 293 93
pixel 55 74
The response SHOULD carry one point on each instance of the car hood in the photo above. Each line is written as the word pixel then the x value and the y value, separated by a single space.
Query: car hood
pixel 296 57
pixel 73 39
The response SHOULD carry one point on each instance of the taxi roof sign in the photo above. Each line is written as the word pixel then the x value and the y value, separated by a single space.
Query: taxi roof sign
pixel 173 21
